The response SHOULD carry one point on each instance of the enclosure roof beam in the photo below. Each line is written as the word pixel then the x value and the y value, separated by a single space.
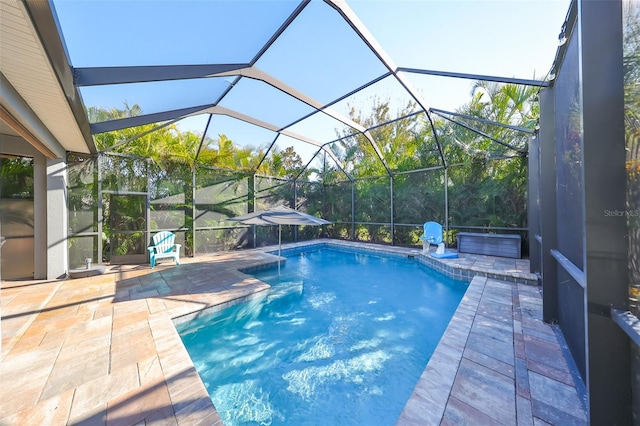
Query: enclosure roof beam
pixel 326 149
pixel 257 74
pixel 204 135
pixel 308 164
pixel 251 120
pixel 138 136
pixel 95 76
pixel 498 141
pixel 352 19
pixel 267 45
pixel 142 74
pixel 345 96
pixel 525 82
pixel 98 76
pixel 313 157
pixel 220 110
pixel 394 120
pixel 482 120
pixel 273 142
pixel 280 30
pixel 376 148
pixel 121 75
pixel 141 120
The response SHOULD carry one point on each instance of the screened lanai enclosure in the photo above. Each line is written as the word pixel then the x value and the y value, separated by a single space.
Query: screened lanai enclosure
pixel 377 118
pixel 184 143
pixel 117 200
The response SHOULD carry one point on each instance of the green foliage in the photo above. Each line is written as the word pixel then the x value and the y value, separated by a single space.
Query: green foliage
pixel 16 178
pixel 16 194
pixel 488 194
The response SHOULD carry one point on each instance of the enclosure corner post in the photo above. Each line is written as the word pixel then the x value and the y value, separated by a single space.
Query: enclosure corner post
pixel 446 206
pixel 548 226
pixel 251 202
pixel 193 210
pixel 353 210
pixel 392 211
pixel 533 205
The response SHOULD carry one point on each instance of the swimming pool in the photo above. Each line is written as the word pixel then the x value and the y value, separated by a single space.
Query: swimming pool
pixel 341 338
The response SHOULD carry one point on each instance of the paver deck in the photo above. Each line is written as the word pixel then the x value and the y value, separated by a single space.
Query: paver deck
pixel 104 350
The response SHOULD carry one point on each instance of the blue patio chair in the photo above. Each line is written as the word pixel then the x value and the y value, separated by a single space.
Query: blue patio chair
pixel 164 247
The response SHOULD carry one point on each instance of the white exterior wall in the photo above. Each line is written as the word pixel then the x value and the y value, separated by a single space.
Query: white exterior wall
pixel 57 219
pixel 39 217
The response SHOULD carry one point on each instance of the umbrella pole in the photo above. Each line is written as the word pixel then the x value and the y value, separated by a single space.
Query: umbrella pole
pixel 279 245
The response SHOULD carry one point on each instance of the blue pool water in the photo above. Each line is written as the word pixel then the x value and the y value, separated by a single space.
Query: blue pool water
pixel 341 338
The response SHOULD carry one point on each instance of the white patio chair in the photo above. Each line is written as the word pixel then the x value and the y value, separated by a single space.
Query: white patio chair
pixel 164 247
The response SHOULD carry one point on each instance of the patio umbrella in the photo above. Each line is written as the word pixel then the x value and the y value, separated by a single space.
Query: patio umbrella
pixel 280 215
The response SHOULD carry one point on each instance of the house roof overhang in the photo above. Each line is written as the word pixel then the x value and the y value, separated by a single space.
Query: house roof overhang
pixel 38 98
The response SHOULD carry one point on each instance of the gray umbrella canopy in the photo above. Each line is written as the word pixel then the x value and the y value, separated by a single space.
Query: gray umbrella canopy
pixel 280 215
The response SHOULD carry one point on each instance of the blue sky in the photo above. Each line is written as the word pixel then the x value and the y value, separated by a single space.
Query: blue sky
pixel 324 58
pixel 500 38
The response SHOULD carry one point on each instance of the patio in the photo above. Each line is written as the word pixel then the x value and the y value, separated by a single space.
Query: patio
pixel 104 350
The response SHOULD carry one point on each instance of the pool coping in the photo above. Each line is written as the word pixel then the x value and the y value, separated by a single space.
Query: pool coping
pixel 450 267
pixel 464 267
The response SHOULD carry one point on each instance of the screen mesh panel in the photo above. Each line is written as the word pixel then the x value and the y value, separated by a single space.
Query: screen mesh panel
pixel 569 170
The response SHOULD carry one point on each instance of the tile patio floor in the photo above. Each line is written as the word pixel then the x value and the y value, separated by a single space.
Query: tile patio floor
pixel 104 350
